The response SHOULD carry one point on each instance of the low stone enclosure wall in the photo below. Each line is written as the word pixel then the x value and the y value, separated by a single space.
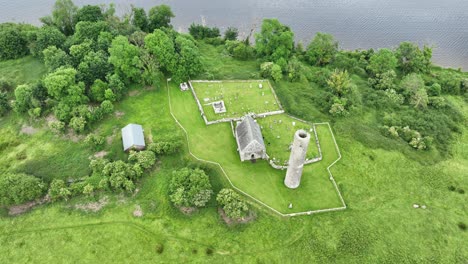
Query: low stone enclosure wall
pixel 234 119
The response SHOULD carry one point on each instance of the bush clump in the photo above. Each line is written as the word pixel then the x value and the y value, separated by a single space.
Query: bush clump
pixel 19 188
pixel 232 204
pixel 190 188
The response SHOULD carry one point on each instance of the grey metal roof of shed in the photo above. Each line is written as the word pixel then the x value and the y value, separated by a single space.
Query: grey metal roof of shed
pixel 132 135
pixel 247 132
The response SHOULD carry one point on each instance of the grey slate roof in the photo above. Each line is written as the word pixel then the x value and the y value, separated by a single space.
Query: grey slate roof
pixel 248 131
pixel 132 136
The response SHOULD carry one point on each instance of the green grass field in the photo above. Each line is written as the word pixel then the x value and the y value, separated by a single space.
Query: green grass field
pixel 216 143
pixel 380 180
pixel 240 98
pixel 278 131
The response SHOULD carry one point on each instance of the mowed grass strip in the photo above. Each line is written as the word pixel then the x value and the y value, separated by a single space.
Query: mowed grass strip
pixel 216 143
pixel 240 98
pixel 278 133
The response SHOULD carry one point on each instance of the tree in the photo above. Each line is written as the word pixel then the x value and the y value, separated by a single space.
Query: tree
pixel 125 58
pixel 419 98
pixel 145 159
pixel 78 123
pixel 382 61
pixel 13 44
pixel 231 34
pixel 23 98
pixel 19 188
pixel 383 81
pixel 45 37
pixel 239 50
pixel 203 32
pixel 91 13
pixel 339 82
pixel 275 41
pixel 94 66
pixel 55 58
pixel 58 190
pixel 411 59
pixel 161 46
pixel 63 16
pixel 232 204
pixel 57 82
pixel 265 69
pixel 276 72
pixel 159 17
pixel 189 63
pixel 79 51
pixel 165 147
pixel 411 83
pixel 97 91
pixel 89 30
pixel 322 49
pixel 190 187
pixel 139 18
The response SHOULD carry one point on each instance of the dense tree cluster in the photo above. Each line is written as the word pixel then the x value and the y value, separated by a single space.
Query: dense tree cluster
pixel 232 204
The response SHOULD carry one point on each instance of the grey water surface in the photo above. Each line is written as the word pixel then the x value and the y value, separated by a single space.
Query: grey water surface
pixel 355 23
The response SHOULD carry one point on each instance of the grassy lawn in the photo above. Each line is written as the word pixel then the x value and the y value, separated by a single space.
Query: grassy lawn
pixel 240 98
pixel 216 143
pixel 24 70
pixel 278 132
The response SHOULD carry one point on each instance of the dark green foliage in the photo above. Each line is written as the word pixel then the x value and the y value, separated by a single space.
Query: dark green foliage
pixel 165 147
pixel 275 42
pixel 89 30
pixel 462 226
pixel 190 188
pixel 94 66
pixel 232 204
pixel 159 17
pixel 63 16
pixel 104 41
pixel 55 58
pixel 188 63
pixel 58 190
pixel 6 85
pixel 145 159
pixel 412 59
pixel 90 13
pixel 45 37
pixel 231 33
pixel 203 32
pixel 13 44
pixel 23 98
pixel 4 104
pixel 382 61
pixel 160 45
pixel 239 50
pixel 79 51
pixel 139 18
pixel 19 188
pixel 97 91
pixel 125 58
pixel 322 49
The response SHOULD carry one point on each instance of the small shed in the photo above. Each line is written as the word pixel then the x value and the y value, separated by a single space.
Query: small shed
pixel 250 140
pixel 184 86
pixel 132 137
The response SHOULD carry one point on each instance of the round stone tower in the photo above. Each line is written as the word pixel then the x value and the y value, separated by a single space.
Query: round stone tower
pixel 297 159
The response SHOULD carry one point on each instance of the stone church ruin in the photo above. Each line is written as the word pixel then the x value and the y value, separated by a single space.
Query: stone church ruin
pixel 250 140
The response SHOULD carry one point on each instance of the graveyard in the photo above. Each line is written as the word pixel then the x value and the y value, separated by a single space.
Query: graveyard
pixel 258 180
pixel 239 97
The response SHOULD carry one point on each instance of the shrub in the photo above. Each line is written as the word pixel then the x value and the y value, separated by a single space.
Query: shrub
pixel 94 140
pixel 58 190
pixel 461 191
pixel 265 69
pixel 4 104
pixel 232 204
pixel 189 188
pixel 145 159
pixel 338 109
pixel 165 147
pixel 57 126
pixel 19 188
pixel 451 188
pixel 78 123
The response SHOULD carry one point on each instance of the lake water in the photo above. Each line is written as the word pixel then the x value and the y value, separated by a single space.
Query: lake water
pixel 354 23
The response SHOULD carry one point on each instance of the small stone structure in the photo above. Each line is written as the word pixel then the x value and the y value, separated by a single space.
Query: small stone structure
pixel 219 107
pixel 249 140
pixel 132 137
pixel 297 159
pixel 184 86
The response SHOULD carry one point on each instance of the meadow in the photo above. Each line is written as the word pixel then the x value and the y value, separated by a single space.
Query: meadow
pixel 379 178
